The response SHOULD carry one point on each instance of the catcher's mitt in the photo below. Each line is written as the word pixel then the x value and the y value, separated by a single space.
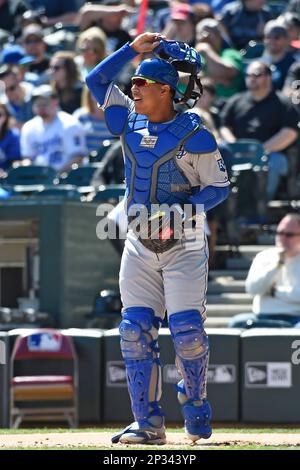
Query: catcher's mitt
pixel 161 229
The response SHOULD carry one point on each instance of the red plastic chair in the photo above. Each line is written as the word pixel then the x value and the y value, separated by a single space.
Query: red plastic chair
pixel 44 378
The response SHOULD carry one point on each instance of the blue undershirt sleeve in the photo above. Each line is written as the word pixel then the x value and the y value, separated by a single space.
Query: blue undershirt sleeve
pixel 210 196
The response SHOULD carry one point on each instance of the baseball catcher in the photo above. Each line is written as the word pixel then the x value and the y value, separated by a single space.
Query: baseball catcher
pixel 174 174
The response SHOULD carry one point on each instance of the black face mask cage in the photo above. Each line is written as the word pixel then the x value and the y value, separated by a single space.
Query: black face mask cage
pixel 191 69
pixel 190 92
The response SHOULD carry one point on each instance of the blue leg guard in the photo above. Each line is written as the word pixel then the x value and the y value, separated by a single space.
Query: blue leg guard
pixel 191 346
pixel 141 356
pixel 192 350
pixel 196 417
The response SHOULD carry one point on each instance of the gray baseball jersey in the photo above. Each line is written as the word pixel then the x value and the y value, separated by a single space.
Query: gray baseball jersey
pixel 177 279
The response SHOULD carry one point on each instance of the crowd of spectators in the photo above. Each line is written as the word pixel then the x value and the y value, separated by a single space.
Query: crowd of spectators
pixel 48 116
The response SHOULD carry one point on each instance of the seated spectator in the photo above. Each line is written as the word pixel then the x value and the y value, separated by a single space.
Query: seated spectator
pixel 92 119
pixel 263 114
pixel 17 95
pixel 108 16
pixel 56 11
pixel 65 81
pixel 215 5
pixel 273 279
pixel 277 53
pixel 10 15
pixel 91 46
pixel 9 140
pixel 221 63
pixel 34 45
pixel 291 21
pixel 15 56
pixel 244 21
pixel 181 25
pixel 52 137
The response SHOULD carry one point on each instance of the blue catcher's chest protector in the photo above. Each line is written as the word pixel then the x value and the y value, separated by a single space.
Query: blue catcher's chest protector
pixel 151 149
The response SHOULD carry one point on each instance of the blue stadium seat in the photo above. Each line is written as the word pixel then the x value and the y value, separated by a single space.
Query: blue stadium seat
pixel 31 175
pixel 29 179
pixel 60 191
pixel 81 176
pixel 247 152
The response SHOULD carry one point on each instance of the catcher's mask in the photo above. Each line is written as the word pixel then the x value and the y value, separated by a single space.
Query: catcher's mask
pixel 182 58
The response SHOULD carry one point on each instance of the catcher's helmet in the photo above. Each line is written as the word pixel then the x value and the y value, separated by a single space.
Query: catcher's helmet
pixel 159 70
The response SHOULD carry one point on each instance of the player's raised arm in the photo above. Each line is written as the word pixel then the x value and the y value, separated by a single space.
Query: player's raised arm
pixel 99 79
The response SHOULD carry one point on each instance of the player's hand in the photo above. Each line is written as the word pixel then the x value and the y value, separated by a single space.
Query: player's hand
pixel 146 42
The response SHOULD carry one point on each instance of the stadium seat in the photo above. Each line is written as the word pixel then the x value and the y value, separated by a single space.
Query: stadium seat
pixel 97 155
pixel 44 378
pixel 82 177
pixel 247 203
pixel 28 179
pixel 31 175
pixel 67 191
pixel 247 152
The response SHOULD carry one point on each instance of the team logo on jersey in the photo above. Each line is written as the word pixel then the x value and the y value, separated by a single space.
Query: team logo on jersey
pixel 149 141
pixel 221 164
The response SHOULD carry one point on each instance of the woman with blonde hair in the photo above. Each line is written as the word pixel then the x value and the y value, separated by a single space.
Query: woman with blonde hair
pixel 65 80
pixel 9 140
pixel 91 45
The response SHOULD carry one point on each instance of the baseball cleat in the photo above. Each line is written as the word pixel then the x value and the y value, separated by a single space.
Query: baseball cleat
pixel 141 433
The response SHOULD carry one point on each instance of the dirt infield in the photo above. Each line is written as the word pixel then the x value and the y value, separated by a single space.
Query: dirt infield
pixel 176 440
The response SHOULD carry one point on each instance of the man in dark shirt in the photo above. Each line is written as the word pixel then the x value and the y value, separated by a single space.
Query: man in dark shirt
pixel 56 11
pixel 277 52
pixel 34 45
pixel 244 21
pixel 11 12
pixel 265 115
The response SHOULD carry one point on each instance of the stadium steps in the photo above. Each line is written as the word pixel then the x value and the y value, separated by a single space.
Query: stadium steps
pixel 217 322
pixel 226 284
pixel 230 298
pixel 226 310
pixel 227 274
pixel 244 251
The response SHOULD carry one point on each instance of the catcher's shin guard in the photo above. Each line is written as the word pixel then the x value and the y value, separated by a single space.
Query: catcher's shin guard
pixel 191 346
pixel 196 416
pixel 138 331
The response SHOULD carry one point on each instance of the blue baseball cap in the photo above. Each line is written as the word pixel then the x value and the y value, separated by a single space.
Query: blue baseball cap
pixel 15 55
pixel 159 70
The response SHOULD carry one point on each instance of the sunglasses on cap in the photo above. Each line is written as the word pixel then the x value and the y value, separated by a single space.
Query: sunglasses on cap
pixel 141 82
